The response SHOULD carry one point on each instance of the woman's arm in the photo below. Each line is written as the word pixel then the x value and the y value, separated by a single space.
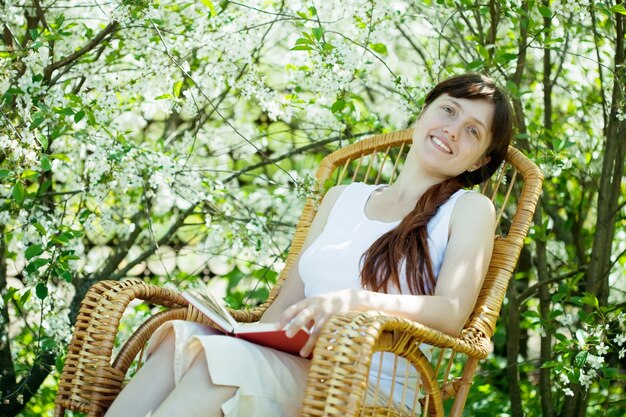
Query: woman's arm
pixel 462 273
pixel 293 289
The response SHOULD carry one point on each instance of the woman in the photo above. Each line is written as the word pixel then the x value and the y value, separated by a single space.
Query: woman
pixel 419 249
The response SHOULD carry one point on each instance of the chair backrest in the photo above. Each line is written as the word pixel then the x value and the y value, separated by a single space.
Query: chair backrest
pixel 378 159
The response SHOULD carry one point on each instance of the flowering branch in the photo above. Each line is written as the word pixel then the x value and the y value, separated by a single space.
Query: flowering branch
pixel 111 27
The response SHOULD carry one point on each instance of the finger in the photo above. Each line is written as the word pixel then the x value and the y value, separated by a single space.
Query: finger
pixel 290 313
pixel 301 321
pixel 308 346
pixel 316 329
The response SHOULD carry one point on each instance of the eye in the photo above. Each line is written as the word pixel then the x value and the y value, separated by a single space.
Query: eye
pixel 474 132
pixel 448 109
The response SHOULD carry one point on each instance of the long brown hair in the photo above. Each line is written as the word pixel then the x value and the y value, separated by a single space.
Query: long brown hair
pixel 407 243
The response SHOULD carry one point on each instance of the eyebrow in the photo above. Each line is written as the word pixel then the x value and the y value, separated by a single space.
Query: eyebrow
pixel 456 103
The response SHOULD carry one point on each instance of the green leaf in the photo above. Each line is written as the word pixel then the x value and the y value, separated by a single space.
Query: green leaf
pixel 33 250
pixel 43 140
pixel 545 11
pixel 79 116
pixel 301 48
pixel 58 21
pixel 44 187
pixel 45 163
pixel 18 193
pixel 40 228
pixel 506 57
pixel 29 173
pixel 59 363
pixel 74 98
pixel 589 300
pixel 36 122
pixel 561 337
pixel 177 87
pixel 62 238
pixel 549 364
pixel 9 294
pixel 318 32
pixel 581 358
pixel 619 8
pixel 65 111
pixel 474 65
pixel 304 41
pixel 338 105
pixel 380 48
pixel 61 157
pixel 209 4
pixel 512 87
pixel 63 274
pixel 25 297
pixel 42 291
pixel 5 173
pixel 36 264
pixel 83 215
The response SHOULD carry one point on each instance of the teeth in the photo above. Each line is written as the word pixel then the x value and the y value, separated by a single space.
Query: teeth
pixel 441 144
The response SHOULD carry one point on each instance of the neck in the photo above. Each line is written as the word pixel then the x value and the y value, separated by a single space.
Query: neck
pixel 412 183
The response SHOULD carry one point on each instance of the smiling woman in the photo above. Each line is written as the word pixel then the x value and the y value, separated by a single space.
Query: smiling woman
pixel 417 249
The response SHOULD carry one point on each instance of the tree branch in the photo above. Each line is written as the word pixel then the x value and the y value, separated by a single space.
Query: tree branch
pixel 111 27
pixel 418 50
pixel 532 290
pixel 296 151
pixel 154 246
pixel 8 381
pixel 40 15
pixel 121 250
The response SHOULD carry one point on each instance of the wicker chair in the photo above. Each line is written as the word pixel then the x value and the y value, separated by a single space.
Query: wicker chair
pixel 338 379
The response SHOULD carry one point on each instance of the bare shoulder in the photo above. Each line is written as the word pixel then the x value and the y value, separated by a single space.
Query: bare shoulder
pixel 473 208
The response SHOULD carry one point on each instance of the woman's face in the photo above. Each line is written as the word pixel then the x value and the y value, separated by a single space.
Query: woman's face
pixel 453 134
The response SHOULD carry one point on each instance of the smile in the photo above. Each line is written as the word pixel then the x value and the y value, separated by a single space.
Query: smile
pixel 440 144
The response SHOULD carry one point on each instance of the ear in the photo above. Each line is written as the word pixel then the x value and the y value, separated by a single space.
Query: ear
pixel 481 162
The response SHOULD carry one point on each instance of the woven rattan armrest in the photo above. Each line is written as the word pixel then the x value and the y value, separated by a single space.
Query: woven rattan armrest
pixel 342 356
pixel 360 332
pixel 90 354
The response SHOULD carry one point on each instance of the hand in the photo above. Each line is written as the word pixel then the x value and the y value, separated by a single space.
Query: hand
pixel 312 313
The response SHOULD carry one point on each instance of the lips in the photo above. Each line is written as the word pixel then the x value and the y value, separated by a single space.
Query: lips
pixel 441 144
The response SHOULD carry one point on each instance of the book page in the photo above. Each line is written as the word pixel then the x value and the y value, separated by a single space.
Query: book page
pixel 266 334
pixel 255 327
pixel 212 308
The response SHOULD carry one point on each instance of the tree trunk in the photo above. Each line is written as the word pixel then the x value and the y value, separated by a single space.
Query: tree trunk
pixel 545 383
pixel 611 179
pixel 512 324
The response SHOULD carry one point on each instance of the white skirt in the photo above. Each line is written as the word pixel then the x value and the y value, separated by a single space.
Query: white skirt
pixel 269 382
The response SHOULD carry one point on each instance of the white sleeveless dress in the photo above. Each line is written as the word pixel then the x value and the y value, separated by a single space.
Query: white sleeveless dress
pixel 270 382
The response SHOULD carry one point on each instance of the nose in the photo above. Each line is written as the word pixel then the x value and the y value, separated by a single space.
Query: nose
pixel 452 132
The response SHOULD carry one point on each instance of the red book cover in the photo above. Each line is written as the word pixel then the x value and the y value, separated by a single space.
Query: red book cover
pixel 265 334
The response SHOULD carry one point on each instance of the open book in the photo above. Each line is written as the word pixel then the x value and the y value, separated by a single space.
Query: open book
pixel 265 334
